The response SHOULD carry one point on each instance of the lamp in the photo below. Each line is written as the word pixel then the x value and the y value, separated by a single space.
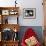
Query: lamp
pixel 15 30
pixel 15 3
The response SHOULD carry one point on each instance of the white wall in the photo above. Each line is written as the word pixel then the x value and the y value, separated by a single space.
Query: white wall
pixel 38 21
pixel 39 13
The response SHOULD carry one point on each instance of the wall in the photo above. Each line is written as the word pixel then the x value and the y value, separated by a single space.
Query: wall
pixel 38 21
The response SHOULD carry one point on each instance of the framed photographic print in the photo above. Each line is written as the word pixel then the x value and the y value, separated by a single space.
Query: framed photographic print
pixel 5 12
pixel 13 12
pixel 29 13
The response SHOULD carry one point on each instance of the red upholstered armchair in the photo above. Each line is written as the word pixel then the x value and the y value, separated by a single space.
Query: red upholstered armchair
pixel 30 38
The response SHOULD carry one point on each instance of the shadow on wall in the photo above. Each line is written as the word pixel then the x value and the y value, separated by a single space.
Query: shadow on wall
pixel 37 29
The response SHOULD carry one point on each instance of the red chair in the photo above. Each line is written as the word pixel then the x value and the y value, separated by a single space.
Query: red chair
pixel 29 33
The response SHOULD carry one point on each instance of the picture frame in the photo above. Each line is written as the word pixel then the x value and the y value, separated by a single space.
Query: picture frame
pixel 5 12
pixel 29 13
pixel 13 12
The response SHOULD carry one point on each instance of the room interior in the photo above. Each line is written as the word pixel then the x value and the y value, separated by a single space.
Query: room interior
pixel 16 16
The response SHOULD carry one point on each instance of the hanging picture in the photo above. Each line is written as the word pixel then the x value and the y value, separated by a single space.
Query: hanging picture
pixel 29 13
pixel 5 12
